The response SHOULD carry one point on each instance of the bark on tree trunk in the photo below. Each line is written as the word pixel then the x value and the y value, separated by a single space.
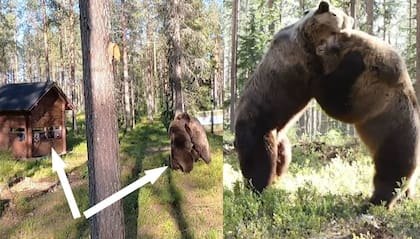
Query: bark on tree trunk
pixel 101 118
pixel 45 33
pixel 133 115
pixel 29 68
pixel 271 27
pixel 16 57
pixel 385 18
pixel 175 55
pixel 60 43
pixel 302 5
pixel 150 77
pixel 410 16
pixel 369 12
pixel 353 12
pixel 216 72
pixel 417 84
pixel 154 83
pixel 233 70
pixel 127 105
pixel 72 69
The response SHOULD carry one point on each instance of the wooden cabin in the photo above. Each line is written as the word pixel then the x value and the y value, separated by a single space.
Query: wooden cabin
pixel 32 119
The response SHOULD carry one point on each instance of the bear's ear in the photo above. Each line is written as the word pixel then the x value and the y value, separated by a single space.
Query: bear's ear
pixel 323 7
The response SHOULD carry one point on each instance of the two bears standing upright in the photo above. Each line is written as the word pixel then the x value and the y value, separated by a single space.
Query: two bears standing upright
pixel 355 77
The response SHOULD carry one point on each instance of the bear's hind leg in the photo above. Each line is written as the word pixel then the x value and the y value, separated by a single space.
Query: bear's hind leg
pixel 395 160
pixel 384 191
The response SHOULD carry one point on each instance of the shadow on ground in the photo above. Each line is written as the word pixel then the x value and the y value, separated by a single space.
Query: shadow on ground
pixel 134 146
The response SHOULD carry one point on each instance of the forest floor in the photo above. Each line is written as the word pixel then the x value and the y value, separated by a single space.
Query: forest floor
pixel 177 206
pixel 322 196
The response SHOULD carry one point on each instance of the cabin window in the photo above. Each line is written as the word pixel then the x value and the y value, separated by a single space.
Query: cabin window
pixel 50 132
pixel 19 133
pixel 54 132
pixel 38 134
pixel 57 132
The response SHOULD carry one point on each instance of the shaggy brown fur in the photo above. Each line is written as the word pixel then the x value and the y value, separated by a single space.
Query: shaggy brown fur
pixel 279 89
pixel 371 89
pixel 188 142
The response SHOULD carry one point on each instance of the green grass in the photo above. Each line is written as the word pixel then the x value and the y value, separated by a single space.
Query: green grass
pixel 178 205
pixel 47 215
pixel 10 168
pixel 322 196
pixel 40 168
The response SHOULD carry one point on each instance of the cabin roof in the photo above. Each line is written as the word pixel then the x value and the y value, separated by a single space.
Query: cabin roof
pixel 25 96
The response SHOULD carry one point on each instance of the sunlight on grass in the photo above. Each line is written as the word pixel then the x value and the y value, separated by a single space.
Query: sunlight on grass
pixel 319 198
pixel 56 222
pixel 178 205
pixel 337 177
pixel 46 215
pixel 9 167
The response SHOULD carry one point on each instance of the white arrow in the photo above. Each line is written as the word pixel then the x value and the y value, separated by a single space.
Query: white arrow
pixel 151 176
pixel 58 166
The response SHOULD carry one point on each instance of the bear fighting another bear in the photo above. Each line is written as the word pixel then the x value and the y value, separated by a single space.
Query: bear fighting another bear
pixel 279 89
pixel 188 143
pixel 371 89
pixel 354 77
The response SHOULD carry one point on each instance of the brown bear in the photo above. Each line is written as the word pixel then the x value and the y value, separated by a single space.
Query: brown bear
pixel 188 142
pixel 278 90
pixel 367 84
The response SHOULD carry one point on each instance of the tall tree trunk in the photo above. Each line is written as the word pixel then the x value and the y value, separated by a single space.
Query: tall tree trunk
pixel 16 56
pixel 154 83
pixel 213 99
pixel 101 118
pixel 149 77
pixel 353 12
pixel 127 102
pixel 45 33
pixel 272 26
pixel 217 72
pixel 132 100
pixel 316 112
pixel 385 16
pixel 29 68
pixel 302 5
pixel 369 12
pixel 417 85
pixel 72 68
pixel 60 46
pixel 233 70
pixel 311 120
pixel 175 55
pixel 320 121
pixel 410 31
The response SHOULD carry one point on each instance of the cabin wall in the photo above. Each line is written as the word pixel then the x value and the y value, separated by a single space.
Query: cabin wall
pixel 13 134
pixel 48 128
